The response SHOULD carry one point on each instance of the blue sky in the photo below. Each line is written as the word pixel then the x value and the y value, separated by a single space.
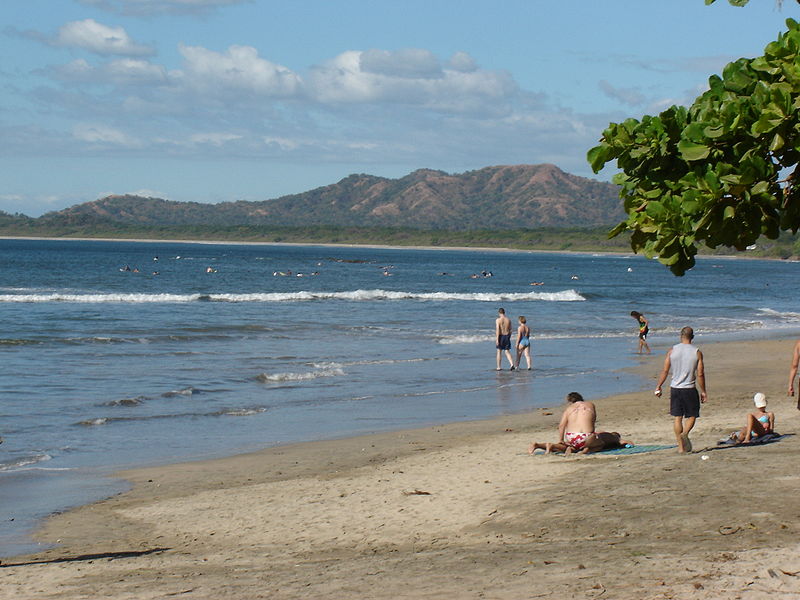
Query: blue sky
pixel 218 100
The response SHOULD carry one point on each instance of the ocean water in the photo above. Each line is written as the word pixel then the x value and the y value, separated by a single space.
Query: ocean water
pixel 105 368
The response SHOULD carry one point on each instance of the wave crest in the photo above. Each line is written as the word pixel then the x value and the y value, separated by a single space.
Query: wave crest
pixel 303 296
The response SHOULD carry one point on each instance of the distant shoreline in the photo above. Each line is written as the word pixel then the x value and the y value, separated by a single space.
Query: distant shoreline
pixel 740 255
pixel 323 244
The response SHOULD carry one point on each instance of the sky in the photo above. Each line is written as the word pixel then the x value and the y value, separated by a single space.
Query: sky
pixel 225 100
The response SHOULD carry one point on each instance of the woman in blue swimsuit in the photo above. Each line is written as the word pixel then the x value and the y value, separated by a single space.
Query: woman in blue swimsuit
pixel 523 342
pixel 759 422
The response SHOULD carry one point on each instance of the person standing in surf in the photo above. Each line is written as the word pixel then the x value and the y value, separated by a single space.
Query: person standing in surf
pixel 644 327
pixel 523 342
pixel 688 374
pixel 502 334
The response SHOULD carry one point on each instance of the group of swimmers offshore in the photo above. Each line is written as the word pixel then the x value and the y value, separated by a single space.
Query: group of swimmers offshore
pixel 684 361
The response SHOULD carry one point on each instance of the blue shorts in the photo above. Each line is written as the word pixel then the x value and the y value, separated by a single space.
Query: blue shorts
pixel 504 342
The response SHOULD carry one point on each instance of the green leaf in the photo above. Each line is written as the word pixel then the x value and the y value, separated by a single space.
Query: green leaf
pixel 729 213
pixel 598 157
pixel 692 151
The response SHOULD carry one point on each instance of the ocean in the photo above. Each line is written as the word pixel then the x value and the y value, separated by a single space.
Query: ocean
pixel 123 354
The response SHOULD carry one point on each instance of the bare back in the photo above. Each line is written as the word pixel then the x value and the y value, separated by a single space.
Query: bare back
pixel 503 325
pixel 580 417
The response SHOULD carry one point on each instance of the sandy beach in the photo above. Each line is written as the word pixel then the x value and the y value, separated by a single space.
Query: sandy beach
pixel 459 511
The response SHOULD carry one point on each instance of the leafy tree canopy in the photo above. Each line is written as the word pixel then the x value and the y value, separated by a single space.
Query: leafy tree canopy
pixel 720 172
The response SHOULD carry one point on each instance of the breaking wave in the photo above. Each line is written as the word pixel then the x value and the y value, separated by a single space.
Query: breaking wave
pixel 304 296
pixel 327 370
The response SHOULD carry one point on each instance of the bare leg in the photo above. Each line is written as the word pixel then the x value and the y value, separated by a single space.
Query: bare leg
pixel 753 425
pixel 519 356
pixel 499 358
pixel 527 353
pixel 677 427
pixel 510 359
pixel 537 446
pixel 688 424
pixel 646 346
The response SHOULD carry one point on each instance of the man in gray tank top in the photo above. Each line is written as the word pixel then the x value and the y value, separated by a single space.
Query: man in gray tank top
pixel 686 363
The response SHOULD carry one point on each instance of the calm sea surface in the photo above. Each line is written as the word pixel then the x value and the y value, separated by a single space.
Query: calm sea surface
pixel 106 368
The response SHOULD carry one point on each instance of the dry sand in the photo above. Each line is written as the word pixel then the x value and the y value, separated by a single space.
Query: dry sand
pixel 459 511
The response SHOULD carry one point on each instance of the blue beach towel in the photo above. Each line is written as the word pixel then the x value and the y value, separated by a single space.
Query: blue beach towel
pixel 640 449
pixel 767 438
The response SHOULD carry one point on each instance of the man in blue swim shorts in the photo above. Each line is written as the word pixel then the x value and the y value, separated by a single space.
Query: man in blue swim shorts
pixel 502 331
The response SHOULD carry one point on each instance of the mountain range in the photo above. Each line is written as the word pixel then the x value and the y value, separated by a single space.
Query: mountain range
pixel 499 197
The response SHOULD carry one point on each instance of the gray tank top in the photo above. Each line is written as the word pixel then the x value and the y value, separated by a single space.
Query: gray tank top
pixel 683 359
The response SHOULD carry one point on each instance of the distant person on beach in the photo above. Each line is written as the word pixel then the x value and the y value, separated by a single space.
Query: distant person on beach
pixel 644 327
pixel 575 430
pixel 502 332
pixel 759 422
pixel 688 374
pixel 523 342
pixel 793 371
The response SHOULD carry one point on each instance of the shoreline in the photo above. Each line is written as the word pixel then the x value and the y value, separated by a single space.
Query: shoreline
pixel 458 509
pixel 740 255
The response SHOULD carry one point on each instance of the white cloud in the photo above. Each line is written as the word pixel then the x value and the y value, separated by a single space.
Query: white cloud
pixel 124 71
pixel 411 63
pixel 157 7
pixel 238 69
pixel 463 62
pixel 410 77
pixel 629 96
pixel 99 39
pixel 214 139
pixel 104 135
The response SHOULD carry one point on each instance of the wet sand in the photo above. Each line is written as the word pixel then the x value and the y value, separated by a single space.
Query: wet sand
pixel 459 511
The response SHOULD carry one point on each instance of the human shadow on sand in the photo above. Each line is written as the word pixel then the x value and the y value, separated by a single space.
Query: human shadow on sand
pixel 84 557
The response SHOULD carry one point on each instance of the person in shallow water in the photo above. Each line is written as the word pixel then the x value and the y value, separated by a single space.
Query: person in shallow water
pixel 523 342
pixel 644 328
pixel 502 334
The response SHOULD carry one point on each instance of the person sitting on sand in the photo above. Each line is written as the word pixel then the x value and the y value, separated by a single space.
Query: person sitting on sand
pixel 575 430
pixel 759 422
pixel 603 440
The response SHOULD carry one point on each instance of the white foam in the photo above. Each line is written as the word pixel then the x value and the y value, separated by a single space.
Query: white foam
pixel 25 461
pixel 243 412
pixel 94 422
pixel 466 339
pixel 787 316
pixel 286 377
pixel 355 295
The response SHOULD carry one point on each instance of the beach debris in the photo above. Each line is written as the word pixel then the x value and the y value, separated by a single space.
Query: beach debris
pixel 417 493
pixel 728 529
pixel 704 457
